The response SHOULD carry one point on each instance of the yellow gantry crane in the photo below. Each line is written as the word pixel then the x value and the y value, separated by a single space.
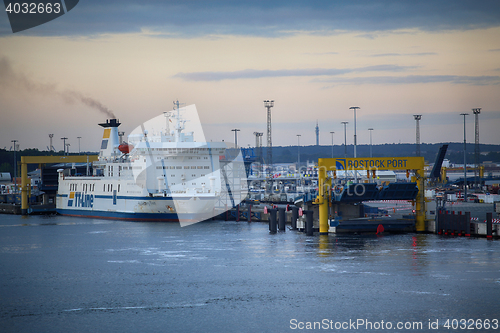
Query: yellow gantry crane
pixel 415 164
pixel 40 160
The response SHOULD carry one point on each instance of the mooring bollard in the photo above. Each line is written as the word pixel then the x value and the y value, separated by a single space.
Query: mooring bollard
pixel 489 225
pixel 467 224
pixel 272 220
pixel 295 216
pixel 282 219
pixel 309 222
pixel 446 224
pixel 439 222
pixel 249 213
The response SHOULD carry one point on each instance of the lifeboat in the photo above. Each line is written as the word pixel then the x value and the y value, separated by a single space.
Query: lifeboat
pixel 125 148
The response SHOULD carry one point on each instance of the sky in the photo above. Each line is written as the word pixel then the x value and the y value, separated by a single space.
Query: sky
pixel 315 59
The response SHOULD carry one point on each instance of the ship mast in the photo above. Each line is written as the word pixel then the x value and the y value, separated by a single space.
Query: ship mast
pixel 180 122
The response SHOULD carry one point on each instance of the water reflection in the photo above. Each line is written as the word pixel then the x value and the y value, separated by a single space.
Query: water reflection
pixel 232 276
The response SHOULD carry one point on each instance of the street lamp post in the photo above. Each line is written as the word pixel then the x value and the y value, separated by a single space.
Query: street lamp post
pixel 465 160
pixel 15 166
pixel 345 138
pixel 332 142
pixel 371 145
pixel 64 144
pixel 417 131
pixel 235 130
pixel 477 181
pixel 298 150
pixel 78 137
pixel 355 140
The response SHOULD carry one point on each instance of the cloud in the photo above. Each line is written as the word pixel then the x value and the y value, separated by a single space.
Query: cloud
pixel 255 74
pixel 267 18
pixel 420 54
pixel 415 79
pixel 320 53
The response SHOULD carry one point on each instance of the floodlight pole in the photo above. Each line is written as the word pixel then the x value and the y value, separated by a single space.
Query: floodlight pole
pixel 268 105
pixel 465 160
pixel 345 138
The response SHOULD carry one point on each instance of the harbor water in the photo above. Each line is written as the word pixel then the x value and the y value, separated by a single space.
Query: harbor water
pixel 64 274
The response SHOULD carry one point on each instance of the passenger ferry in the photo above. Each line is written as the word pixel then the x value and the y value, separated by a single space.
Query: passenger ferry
pixel 161 174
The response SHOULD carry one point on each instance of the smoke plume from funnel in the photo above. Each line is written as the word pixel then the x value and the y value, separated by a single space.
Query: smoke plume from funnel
pixel 10 79
pixel 73 96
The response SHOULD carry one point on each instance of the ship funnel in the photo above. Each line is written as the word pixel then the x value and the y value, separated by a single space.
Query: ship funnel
pixel 110 140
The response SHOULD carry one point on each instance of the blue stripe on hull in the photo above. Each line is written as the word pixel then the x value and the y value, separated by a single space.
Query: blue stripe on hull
pixel 100 196
pixel 153 217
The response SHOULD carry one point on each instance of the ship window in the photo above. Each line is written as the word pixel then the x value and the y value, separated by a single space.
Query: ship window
pixel 108 187
pixel 178 167
pixel 202 175
pixel 206 167
pixel 193 183
pixel 193 175
pixel 118 187
pixel 200 167
pixel 205 158
pixel 172 175
pixel 190 158
pixel 193 167
pixel 104 188
pixel 186 167
pixel 111 188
